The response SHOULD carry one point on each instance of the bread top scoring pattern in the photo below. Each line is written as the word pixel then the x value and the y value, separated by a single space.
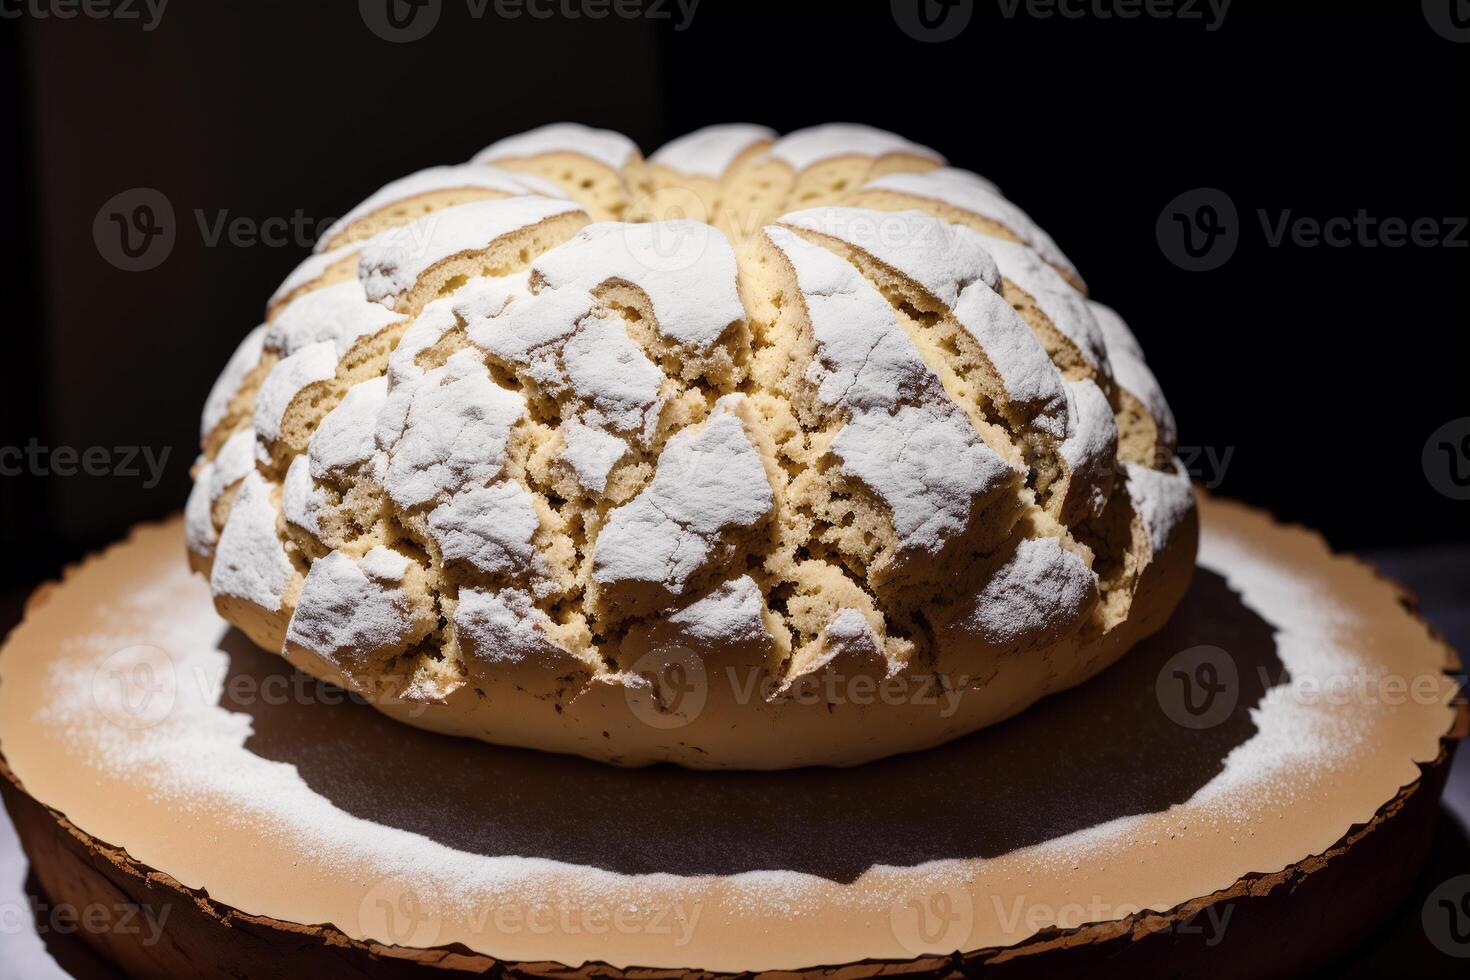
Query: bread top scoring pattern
pixel 808 402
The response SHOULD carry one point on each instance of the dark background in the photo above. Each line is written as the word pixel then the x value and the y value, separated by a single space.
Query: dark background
pixel 1322 371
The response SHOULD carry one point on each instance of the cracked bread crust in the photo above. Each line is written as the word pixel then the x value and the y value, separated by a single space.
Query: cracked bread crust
pixel 828 474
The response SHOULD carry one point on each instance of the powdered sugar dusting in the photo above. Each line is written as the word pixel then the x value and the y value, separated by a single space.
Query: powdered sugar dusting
pixel 849 634
pixel 1317 716
pixel 454 432
pixel 250 562
pixel 590 453
pixel 731 612
pixel 1040 587
pixel 392 262
pixel 235 459
pixel 1092 436
pixel 706 483
pixel 609 373
pixel 928 466
pixel 352 608
pixel 345 437
pixel 312 268
pixel 943 258
pixel 603 145
pixel 1064 306
pixel 244 360
pixel 1161 499
pixel 489 527
pixel 710 151
pixel 1132 373
pixel 1032 382
pixel 432 179
pixel 303 501
pixel 905 439
pixel 970 192
pixel 806 147
pixel 287 379
pixel 199 533
pixel 339 313
pixel 686 268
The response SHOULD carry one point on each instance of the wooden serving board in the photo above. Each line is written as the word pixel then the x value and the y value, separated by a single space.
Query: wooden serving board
pixel 1250 790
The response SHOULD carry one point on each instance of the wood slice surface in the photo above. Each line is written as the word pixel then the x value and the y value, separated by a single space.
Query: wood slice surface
pixel 1248 792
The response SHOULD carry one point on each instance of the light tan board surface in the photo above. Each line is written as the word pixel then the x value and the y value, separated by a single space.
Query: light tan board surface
pixel 130 707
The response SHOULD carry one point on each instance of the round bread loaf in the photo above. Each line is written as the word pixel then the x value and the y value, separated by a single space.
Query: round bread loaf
pixel 762 452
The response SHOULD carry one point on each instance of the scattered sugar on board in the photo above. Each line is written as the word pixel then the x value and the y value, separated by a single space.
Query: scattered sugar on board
pixel 1296 745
